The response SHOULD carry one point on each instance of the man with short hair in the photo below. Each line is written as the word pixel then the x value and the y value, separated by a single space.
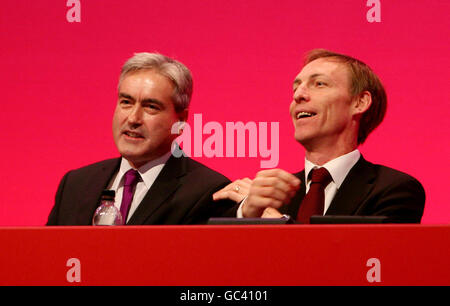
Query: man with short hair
pixel 337 102
pixel 153 95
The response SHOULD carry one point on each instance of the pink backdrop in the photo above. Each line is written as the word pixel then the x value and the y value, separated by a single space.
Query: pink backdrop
pixel 59 79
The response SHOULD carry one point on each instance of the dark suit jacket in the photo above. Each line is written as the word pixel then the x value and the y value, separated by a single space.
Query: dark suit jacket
pixel 181 194
pixel 371 190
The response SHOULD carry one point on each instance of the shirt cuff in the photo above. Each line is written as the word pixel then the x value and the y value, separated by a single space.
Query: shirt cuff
pixel 239 211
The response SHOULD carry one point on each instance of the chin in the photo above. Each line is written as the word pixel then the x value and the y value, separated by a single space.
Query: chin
pixel 301 137
pixel 131 155
pixel 135 161
pixel 304 140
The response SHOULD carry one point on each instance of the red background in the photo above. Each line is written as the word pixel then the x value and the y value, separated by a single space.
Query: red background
pixel 59 80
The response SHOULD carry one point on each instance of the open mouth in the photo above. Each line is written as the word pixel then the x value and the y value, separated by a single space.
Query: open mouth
pixel 302 115
pixel 132 134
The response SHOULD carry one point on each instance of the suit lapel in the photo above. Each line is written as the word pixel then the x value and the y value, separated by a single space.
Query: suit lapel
pixel 354 189
pixel 97 182
pixel 292 208
pixel 167 182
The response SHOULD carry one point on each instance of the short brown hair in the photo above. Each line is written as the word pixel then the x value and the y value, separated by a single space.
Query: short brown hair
pixel 362 78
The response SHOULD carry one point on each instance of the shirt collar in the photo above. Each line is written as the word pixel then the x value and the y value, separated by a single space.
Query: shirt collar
pixel 338 167
pixel 148 171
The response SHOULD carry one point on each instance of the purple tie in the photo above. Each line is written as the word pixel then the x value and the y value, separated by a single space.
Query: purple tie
pixel 131 179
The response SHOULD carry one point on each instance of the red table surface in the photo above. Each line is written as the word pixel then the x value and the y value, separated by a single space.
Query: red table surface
pixel 246 255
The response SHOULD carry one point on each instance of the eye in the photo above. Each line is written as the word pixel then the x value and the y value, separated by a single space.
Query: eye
pixel 296 84
pixel 320 84
pixel 152 106
pixel 125 102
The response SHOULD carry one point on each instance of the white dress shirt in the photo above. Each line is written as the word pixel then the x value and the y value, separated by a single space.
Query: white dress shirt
pixel 148 172
pixel 338 169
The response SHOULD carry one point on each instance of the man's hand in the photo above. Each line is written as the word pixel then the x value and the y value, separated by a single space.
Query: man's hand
pixel 270 212
pixel 270 188
pixel 235 191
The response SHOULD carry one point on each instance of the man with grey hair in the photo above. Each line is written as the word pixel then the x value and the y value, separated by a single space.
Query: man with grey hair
pixel 151 185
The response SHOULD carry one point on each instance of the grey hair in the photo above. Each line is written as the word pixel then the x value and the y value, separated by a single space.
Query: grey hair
pixel 175 71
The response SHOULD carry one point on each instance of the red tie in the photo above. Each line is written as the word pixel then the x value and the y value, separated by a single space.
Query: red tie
pixel 314 200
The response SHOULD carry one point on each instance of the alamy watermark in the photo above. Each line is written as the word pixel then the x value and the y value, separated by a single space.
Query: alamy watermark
pixel 374 13
pixel 74 12
pixel 73 275
pixel 213 140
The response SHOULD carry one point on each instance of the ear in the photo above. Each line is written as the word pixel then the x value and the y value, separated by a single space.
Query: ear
pixel 362 102
pixel 183 115
pixel 182 118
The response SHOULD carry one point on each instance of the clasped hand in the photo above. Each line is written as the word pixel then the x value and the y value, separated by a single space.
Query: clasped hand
pixel 262 196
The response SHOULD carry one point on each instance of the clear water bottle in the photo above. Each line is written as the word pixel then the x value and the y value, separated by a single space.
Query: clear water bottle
pixel 107 213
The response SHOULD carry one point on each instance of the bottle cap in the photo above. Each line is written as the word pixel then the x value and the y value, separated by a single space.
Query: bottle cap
pixel 108 194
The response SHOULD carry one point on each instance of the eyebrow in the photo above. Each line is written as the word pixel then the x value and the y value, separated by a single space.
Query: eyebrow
pixel 297 81
pixel 126 96
pixel 148 100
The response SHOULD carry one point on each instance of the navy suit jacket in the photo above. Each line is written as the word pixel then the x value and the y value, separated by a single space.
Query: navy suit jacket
pixel 181 194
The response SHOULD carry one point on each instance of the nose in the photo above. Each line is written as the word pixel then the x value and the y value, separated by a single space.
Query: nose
pixel 135 115
pixel 301 94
